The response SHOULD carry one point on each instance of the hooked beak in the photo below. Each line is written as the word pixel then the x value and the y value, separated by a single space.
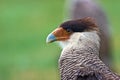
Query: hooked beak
pixel 58 34
pixel 50 38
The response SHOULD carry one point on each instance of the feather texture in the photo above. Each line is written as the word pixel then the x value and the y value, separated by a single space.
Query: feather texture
pixel 79 60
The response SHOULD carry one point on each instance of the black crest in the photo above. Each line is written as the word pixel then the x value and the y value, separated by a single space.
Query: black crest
pixel 79 25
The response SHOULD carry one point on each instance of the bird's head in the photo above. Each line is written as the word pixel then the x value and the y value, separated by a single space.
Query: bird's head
pixel 74 29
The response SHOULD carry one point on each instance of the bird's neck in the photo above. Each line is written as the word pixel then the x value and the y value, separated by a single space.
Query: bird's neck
pixel 79 40
pixel 83 52
pixel 83 42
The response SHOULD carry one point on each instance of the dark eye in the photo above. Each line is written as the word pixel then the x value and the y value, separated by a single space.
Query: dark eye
pixel 69 30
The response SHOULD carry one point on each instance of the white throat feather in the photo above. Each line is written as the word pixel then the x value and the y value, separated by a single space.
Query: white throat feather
pixel 81 38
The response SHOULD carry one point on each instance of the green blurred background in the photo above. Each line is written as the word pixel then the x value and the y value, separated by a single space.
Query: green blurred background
pixel 24 26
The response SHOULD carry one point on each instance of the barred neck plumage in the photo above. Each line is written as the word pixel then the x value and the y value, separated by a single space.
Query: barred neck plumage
pixel 81 57
pixel 79 40
pixel 84 43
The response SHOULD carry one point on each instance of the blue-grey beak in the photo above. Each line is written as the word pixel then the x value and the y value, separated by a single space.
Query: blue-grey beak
pixel 50 38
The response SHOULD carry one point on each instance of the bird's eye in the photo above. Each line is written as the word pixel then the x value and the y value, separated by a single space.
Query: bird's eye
pixel 69 30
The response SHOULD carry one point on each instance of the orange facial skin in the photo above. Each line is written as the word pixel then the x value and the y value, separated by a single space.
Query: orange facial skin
pixel 61 34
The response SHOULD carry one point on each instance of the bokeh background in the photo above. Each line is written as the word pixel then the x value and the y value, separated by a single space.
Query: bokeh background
pixel 24 26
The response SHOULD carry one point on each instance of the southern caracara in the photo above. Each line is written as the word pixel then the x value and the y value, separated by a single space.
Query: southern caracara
pixel 79 59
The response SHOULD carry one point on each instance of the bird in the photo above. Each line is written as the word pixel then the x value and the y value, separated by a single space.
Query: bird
pixel 76 9
pixel 79 59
